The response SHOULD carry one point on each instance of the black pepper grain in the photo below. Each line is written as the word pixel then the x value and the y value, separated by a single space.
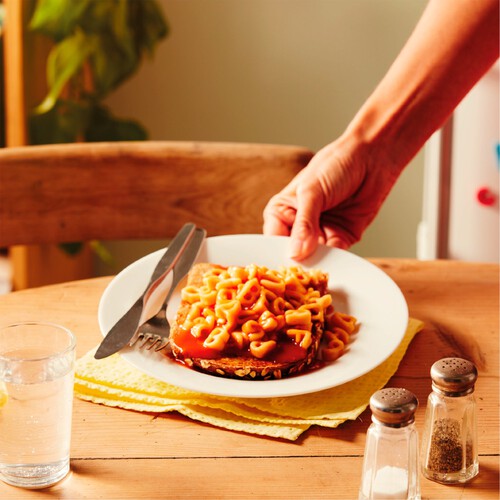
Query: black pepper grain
pixel 446 454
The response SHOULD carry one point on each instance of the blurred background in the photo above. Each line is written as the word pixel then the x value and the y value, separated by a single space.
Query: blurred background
pixel 261 71
pixel 278 71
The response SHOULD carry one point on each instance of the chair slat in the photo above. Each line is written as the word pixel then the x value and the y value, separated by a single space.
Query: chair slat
pixel 138 190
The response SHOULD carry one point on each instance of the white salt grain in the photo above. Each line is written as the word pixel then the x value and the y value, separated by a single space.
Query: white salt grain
pixel 390 483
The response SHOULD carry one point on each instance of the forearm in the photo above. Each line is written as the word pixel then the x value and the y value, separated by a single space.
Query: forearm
pixel 453 45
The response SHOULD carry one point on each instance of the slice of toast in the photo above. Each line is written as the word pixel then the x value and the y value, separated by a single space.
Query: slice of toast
pixel 238 366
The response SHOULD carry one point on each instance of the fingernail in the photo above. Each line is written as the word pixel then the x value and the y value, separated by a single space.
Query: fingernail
pixel 338 243
pixel 296 247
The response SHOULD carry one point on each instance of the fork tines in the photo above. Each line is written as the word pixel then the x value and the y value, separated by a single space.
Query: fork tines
pixel 150 341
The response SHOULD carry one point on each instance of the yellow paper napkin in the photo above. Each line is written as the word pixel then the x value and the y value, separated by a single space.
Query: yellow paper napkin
pixel 114 382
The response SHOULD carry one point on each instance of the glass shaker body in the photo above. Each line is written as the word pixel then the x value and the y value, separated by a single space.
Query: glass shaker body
pixel 449 440
pixel 390 466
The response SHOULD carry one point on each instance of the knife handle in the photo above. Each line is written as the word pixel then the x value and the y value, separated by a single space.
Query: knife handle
pixel 186 261
pixel 154 302
pixel 176 245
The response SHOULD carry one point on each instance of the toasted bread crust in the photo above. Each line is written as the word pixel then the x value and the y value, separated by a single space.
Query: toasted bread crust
pixel 238 367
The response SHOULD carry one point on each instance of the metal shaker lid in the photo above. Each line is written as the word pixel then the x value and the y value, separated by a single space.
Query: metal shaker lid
pixel 453 376
pixel 394 406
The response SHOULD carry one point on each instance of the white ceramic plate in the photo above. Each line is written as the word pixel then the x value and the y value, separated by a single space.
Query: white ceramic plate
pixel 357 286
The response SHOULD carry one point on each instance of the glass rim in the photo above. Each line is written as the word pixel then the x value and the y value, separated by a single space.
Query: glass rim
pixel 70 347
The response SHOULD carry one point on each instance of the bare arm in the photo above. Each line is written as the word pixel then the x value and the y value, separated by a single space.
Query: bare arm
pixel 453 45
pixel 340 192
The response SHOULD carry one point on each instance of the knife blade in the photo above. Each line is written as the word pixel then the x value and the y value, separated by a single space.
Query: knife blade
pixel 123 330
pixel 161 295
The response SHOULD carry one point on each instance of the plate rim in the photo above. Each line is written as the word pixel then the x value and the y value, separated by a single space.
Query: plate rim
pixel 208 384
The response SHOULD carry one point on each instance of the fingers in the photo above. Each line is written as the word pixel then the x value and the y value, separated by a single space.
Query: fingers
pixel 337 242
pixel 325 203
pixel 274 224
pixel 305 231
pixel 295 215
pixel 279 216
pixel 343 229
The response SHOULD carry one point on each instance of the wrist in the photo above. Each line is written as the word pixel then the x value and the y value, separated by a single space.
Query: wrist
pixel 427 80
pixel 374 138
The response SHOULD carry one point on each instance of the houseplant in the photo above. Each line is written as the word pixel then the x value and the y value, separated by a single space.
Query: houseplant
pixel 97 45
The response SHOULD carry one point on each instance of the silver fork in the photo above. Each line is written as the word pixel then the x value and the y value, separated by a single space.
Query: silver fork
pixel 155 332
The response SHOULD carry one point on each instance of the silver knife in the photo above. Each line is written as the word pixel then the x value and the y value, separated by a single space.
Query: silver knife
pixel 181 268
pixel 156 301
pixel 124 329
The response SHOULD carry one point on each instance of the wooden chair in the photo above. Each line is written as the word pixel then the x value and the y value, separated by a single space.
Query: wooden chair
pixel 138 190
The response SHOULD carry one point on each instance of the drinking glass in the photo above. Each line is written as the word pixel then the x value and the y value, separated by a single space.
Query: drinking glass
pixel 36 398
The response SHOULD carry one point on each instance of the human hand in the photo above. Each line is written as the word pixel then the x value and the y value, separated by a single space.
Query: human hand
pixel 332 200
pixel 336 197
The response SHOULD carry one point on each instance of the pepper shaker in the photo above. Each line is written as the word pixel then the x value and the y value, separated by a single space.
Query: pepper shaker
pixel 449 442
pixel 390 466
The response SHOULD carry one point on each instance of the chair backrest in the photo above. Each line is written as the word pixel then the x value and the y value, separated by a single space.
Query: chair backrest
pixel 138 190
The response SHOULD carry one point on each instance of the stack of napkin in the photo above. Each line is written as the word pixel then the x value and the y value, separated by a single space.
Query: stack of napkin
pixel 114 382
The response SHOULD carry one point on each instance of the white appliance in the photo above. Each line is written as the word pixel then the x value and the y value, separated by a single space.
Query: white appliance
pixel 461 180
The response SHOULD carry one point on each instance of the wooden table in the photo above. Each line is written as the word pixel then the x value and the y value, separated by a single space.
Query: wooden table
pixel 119 454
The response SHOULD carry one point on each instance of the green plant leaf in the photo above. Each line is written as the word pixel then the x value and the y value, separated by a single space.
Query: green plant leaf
pixel 133 27
pixel 102 252
pixel 96 18
pixel 72 248
pixel 103 126
pixel 112 36
pixel 110 65
pixel 45 129
pixel 150 24
pixel 58 18
pixel 123 32
pixel 63 63
pixel 116 56
pixel 63 123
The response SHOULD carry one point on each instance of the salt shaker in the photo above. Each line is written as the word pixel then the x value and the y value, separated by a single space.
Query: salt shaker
pixel 449 441
pixel 390 467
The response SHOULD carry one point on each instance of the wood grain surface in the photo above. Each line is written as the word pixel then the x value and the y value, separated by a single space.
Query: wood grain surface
pixel 119 454
pixel 137 190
